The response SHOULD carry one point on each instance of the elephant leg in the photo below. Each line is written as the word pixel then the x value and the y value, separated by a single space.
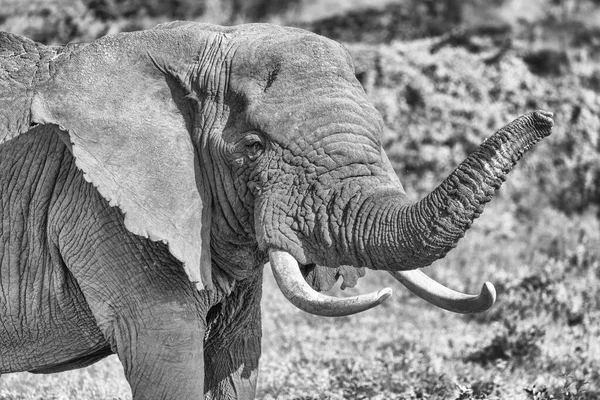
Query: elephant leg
pixel 157 330
pixel 161 350
pixel 152 316
pixel 232 347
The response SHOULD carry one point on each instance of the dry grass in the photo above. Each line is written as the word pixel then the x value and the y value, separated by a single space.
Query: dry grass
pixel 101 381
pixel 535 337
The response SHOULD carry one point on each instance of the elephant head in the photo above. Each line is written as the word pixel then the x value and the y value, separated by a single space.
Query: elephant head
pixel 242 144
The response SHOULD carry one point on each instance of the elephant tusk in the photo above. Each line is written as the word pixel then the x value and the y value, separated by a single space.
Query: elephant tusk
pixel 293 286
pixel 439 295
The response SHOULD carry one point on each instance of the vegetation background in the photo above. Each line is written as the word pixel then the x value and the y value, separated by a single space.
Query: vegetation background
pixel 444 75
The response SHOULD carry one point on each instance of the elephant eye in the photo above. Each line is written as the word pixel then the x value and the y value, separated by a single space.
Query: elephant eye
pixel 253 145
pixel 254 150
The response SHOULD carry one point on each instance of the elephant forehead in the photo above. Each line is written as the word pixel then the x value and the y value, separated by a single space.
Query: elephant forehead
pixel 289 56
pixel 294 83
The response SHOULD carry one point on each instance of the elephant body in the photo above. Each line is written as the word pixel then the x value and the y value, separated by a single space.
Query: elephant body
pixel 58 311
pixel 147 177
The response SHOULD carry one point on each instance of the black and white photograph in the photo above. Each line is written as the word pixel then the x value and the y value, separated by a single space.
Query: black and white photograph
pixel 299 199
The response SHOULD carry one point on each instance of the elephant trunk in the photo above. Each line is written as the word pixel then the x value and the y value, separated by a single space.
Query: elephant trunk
pixel 389 234
pixel 401 236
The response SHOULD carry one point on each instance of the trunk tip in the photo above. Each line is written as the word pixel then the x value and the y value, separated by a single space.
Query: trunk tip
pixel 544 117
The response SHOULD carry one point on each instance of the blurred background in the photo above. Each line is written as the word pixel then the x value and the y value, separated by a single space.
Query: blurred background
pixel 444 75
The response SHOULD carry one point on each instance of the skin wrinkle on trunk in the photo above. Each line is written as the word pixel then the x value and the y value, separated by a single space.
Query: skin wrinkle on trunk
pixel 404 237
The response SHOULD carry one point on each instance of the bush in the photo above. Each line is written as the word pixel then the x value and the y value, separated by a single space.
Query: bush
pixel 438 108
pixel 170 9
pixel 516 343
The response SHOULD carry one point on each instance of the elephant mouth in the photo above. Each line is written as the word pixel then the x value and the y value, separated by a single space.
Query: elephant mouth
pixel 294 287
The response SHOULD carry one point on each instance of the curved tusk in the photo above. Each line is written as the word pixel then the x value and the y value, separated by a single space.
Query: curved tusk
pixel 435 293
pixel 299 293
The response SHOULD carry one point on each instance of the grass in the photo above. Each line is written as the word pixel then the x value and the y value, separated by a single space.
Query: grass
pixel 104 380
pixel 541 339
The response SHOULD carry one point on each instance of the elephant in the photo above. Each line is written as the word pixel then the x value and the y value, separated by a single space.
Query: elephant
pixel 147 177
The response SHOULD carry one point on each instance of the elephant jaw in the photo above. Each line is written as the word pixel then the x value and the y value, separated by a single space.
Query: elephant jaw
pixel 293 286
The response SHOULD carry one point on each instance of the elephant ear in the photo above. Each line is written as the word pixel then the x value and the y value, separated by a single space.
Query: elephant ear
pixel 129 120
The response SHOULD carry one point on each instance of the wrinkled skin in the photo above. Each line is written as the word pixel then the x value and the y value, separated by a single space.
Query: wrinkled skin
pixel 145 177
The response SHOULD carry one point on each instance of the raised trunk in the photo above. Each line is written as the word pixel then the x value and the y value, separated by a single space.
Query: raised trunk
pixel 387 233
pixel 399 237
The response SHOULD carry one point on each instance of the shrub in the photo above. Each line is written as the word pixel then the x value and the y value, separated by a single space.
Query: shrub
pixel 437 108
pixel 170 9
pixel 515 343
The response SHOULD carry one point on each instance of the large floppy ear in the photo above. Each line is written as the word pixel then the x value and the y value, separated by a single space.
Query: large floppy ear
pixel 130 115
